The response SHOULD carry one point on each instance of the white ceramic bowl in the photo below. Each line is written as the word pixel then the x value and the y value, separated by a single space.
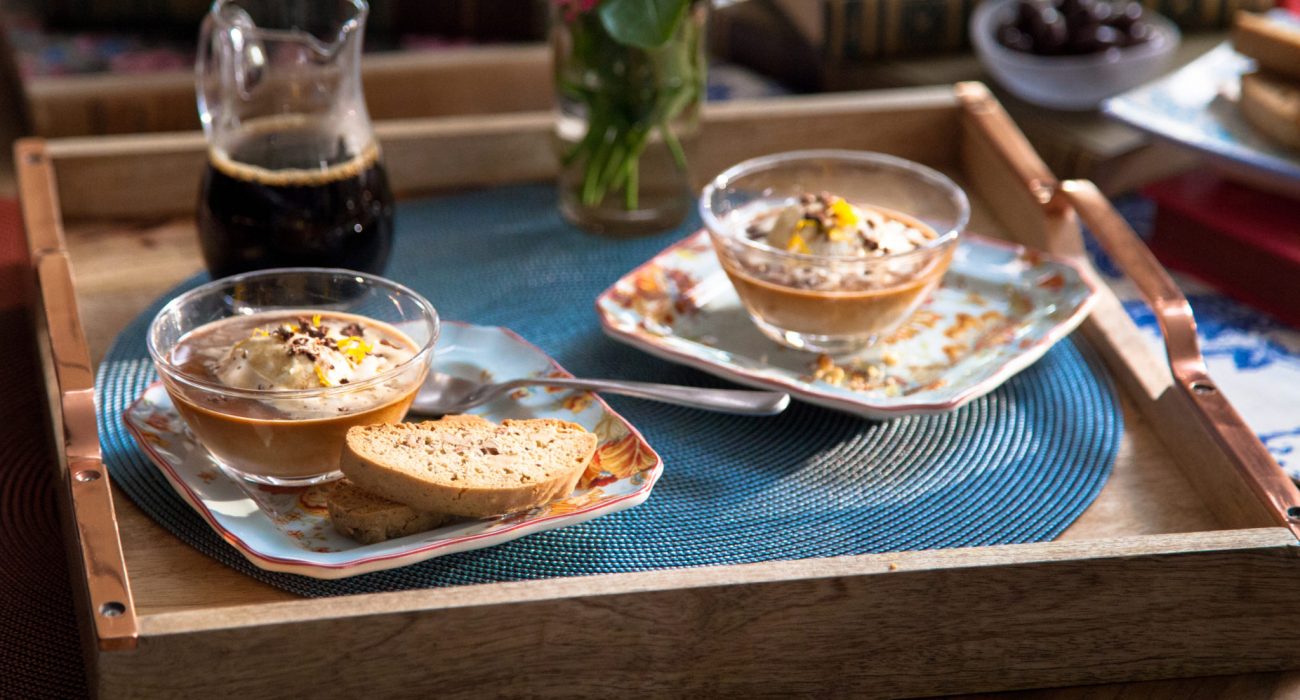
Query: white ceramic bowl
pixel 1069 82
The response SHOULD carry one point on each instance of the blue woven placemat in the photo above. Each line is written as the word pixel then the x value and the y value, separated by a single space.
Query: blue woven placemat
pixel 1018 465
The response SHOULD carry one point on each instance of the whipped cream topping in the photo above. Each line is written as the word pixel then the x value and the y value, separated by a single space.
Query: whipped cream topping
pixel 308 353
pixel 824 224
pixel 862 239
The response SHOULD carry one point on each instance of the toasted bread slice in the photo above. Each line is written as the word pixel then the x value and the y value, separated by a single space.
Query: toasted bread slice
pixel 1272 105
pixel 467 466
pixel 368 518
pixel 1274 45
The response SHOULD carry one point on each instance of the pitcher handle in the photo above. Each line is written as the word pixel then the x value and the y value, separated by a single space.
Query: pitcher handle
pixel 206 93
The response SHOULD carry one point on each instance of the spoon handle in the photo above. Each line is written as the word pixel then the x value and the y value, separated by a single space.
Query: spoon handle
pixel 738 401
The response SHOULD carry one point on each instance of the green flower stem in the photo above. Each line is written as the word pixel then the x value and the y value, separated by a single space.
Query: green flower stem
pixel 674 146
pixel 632 163
pixel 582 148
pixel 591 173
pixel 608 169
pixel 630 193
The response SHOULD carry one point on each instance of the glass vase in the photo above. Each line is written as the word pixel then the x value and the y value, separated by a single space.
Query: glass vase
pixel 628 121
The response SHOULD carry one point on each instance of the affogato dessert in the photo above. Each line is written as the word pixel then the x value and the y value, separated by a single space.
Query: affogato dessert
pixel 290 357
pixel 270 390
pixel 826 270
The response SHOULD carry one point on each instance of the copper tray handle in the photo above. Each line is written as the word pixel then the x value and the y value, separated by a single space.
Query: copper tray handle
pixel 99 558
pixel 1212 410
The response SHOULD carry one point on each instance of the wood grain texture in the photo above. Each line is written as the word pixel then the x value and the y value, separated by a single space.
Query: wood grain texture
pixel 1147 492
pixel 997 156
pixel 1255 468
pixel 96 562
pixel 1252 686
pixel 1165 409
pixel 1225 542
pixel 1142 608
pixel 159 254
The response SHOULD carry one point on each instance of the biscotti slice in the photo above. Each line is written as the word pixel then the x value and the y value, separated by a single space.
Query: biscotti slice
pixel 368 518
pixel 469 466
pixel 1272 106
pixel 1274 45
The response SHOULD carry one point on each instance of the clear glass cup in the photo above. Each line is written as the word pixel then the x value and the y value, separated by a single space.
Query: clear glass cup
pixel 832 303
pixel 291 437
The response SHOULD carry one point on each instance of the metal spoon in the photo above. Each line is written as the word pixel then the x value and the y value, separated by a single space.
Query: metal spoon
pixel 443 394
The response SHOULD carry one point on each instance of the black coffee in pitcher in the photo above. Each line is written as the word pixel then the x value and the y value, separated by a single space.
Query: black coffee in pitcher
pixel 285 197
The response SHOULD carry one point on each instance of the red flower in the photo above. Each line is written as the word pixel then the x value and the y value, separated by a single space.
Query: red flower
pixel 573 8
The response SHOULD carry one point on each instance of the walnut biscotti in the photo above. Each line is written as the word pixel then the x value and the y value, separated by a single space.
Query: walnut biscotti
pixel 368 518
pixel 1274 45
pixel 1272 106
pixel 468 466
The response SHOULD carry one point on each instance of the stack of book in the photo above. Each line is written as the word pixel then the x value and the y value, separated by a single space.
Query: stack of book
pixel 1241 240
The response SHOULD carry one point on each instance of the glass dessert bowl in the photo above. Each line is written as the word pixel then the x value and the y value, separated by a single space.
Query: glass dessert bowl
pixel 269 369
pixel 830 251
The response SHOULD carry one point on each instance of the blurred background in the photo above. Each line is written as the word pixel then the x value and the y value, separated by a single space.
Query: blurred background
pixel 85 67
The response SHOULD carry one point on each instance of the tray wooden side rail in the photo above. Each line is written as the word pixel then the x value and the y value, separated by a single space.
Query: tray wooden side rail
pixel 1123 595
pixel 397 85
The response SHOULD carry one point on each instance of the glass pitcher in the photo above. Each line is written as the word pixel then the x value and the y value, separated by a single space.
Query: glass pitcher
pixel 294 175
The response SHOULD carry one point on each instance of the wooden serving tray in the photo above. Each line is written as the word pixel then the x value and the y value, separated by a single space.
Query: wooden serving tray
pixel 1184 560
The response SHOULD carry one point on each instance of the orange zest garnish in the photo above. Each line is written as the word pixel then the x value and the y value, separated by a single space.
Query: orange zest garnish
pixel 798 245
pixel 844 213
pixel 320 376
pixel 315 320
pixel 355 348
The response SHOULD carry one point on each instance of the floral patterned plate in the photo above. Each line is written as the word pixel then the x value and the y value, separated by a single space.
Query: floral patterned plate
pixel 1000 308
pixel 288 529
